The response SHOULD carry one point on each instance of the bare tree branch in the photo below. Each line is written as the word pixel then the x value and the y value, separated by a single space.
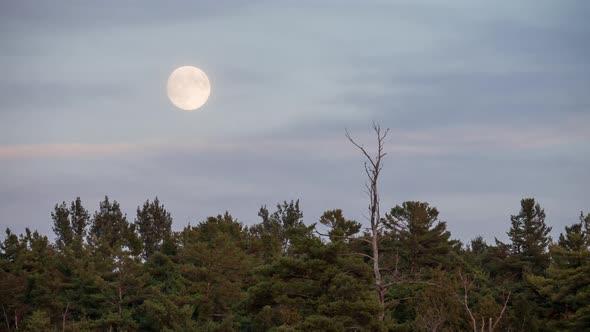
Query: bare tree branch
pixel 372 168
pixel 359 254
pixel 466 284
pixel 501 312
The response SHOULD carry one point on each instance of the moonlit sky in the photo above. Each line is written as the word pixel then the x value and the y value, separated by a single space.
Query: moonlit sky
pixel 488 102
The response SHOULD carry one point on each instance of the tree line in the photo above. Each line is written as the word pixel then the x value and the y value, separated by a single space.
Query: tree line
pixel 403 272
pixel 104 272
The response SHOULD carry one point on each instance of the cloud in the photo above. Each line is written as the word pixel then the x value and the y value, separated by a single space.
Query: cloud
pixel 64 150
pixel 487 102
pixel 111 13
pixel 318 145
pixel 457 169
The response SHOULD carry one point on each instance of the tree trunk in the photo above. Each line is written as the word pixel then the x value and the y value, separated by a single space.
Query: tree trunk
pixel 65 315
pixel 372 169
pixel 6 318
pixel 120 300
pixel 377 272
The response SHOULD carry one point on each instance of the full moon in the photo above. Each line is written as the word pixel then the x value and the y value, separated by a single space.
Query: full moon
pixel 188 88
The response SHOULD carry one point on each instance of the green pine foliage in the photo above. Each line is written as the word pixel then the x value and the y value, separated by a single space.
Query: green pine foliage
pixel 153 224
pixel 100 272
pixel 566 282
pixel 530 237
pixel 418 237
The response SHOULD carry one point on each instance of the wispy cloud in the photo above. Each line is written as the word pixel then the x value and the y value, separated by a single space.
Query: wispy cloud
pixel 428 142
pixel 63 150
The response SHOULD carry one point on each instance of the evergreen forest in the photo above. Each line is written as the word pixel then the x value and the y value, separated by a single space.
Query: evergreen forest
pixel 400 270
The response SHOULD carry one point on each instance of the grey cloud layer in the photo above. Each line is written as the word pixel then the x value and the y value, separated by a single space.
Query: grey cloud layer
pixel 488 103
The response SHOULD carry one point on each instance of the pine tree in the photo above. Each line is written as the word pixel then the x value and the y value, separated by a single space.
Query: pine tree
pixel 79 219
pixel 340 228
pixel 109 229
pixel 323 287
pixel 567 281
pixel 69 225
pixel 167 304
pixel 530 236
pixel 115 258
pixel 70 230
pixel 154 224
pixel 29 278
pixel 527 255
pixel 215 261
pixel 62 227
pixel 13 280
pixel 276 231
pixel 421 240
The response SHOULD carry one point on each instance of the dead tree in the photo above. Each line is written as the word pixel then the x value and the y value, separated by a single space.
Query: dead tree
pixel 431 314
pixel 373 167
pixel 466 284
pixel 65 317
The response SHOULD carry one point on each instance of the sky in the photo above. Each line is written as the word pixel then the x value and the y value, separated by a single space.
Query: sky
pixel 487 102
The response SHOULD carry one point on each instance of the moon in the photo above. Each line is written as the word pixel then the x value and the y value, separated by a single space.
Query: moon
pixel 188 88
